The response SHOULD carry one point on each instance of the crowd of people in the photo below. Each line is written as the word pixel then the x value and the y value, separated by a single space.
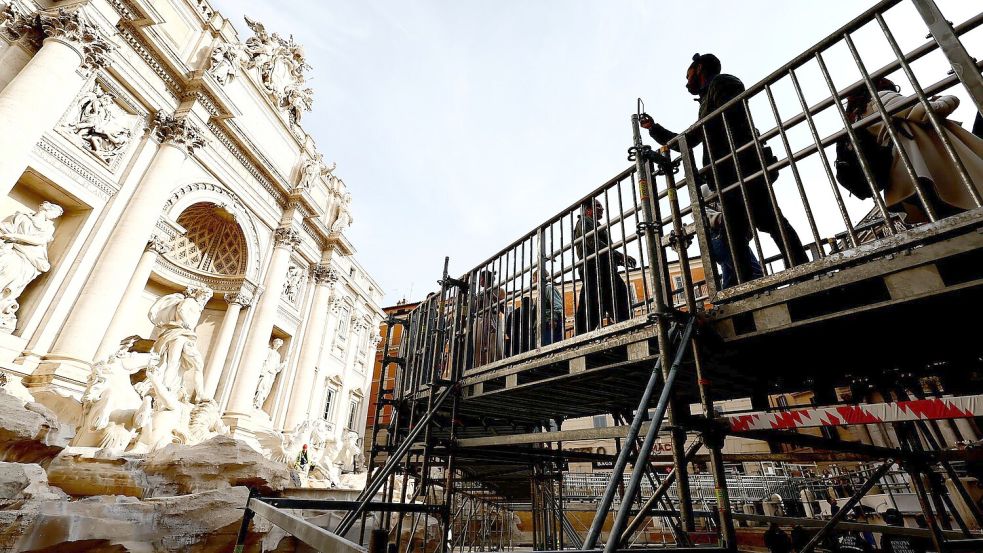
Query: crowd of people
pixel 740 198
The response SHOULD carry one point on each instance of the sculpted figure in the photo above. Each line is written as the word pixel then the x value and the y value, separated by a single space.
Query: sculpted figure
pixel 281 66
pixel 110 404
pixel 225 59
pixel 175 317
pixel 313 169
pixel 297 100
pixel 24 239
pixel 205 422
pixel 292 284
pixel 271 367
pixel 162 417
pixel 324 450
pixel 99 126
pixel 351 458
pixel 344 218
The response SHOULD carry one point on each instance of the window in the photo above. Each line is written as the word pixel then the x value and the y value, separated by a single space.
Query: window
pixel 343 323
pixel 353 413
pixel 328 403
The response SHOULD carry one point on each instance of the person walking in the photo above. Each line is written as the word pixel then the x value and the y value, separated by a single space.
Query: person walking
pixel 715 89
pixel 602 293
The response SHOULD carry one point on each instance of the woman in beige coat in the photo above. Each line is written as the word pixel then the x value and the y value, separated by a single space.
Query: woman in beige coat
pixel 935 170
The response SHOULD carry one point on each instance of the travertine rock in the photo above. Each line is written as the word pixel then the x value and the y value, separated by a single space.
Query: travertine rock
pixel 214 464
pixel 19 481
pixel 81 474
pixel 23 489
pixel 29 432
pixel 194 523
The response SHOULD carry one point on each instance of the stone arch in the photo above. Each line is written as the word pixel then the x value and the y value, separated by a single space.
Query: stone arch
pixel 228 202
pixel 212 242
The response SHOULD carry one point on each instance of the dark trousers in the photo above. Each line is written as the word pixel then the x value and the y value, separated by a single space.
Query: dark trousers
pixel 603 293
pixel 765 220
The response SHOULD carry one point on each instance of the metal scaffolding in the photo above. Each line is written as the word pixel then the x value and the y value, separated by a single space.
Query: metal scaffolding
pixel 628 315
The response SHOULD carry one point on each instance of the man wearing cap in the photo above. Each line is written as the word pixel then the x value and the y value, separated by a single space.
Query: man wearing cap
pixel 714 89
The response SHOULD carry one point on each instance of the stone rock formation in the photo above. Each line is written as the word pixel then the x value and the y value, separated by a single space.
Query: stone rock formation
pixel 220 462
pixel 29 432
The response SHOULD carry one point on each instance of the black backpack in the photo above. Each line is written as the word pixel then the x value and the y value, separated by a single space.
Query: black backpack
pixel 849 173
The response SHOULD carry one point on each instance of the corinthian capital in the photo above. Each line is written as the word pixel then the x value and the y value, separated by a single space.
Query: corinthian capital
pixel 323 274
pixel 178 131
pixel 68 25
pixel 286 236
pixel 242 297
pixel 158 245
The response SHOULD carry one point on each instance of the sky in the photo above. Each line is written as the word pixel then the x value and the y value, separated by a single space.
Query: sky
pixel 460 125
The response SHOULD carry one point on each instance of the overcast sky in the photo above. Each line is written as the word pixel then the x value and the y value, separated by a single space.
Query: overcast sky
pixel 459 125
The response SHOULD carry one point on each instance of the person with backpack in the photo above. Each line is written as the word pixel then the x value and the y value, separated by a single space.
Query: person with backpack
pixel 714 89
pixel 936 173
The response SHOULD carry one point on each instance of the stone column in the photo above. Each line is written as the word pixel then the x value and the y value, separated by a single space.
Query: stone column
pixel 100 297
pixel 258 339
pixel 220 348
pixel 34 100
pixel 138 282
pixel 310 349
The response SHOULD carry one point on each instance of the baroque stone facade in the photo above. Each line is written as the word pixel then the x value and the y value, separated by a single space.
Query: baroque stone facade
pixel 172 248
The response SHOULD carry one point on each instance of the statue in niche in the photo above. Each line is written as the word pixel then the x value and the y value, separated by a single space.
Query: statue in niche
pixel 100 125
pixel 350 457
pixel 344 218
pixel 313 170
pixel 271 367
pixel 225 59
pixel 24 239
pixel 175 317
pixel 291 286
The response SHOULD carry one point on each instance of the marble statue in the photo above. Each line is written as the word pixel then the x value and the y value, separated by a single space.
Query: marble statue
pixel 175 317
pixel 205 422
pixel 109 417
pixel 344 218
pixel 296 100
pixel 24 239
pixel 291 286
pixel 99 124
pixel 323 471
pixel 281 65
pixel 271 367
pixel 350 457
pixel 225 59
pixel 313 170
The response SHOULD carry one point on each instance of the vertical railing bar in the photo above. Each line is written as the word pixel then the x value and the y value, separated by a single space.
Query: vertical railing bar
pixel 851 134
pixel 932 116
pixel 756 238
pixel 851 233
pixel 795 174
pixel 892 132
pixel 783 235
pixel 728 228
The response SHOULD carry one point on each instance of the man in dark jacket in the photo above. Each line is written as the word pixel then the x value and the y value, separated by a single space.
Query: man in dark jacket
pixel 603 293
pixel 714 89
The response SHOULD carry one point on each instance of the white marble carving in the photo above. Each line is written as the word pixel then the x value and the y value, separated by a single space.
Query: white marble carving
pixel 344 218
pixel 175 317
pixel 271 367
pixel 225 58
pixel 99 124
pixel 350 457
pixel 281 66
pixel 110 404
pixel 313 169
pixel 24 239
pixel 291 286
